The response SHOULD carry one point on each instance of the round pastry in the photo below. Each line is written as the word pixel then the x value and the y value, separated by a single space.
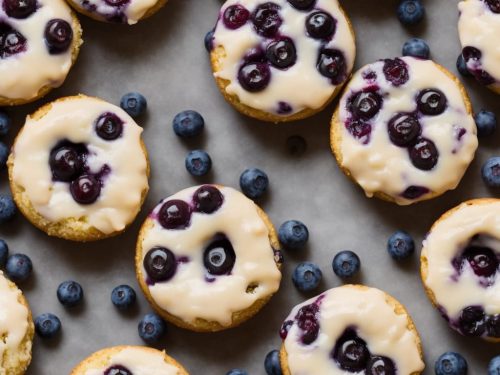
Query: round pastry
pixel 208 258
pixel 352 329
pixel 129 360
pixel 403 130
pixel 460 267
pixel 282 60
pixel 40 41
pixel 79 169
pixel 479 27
pixel 16 329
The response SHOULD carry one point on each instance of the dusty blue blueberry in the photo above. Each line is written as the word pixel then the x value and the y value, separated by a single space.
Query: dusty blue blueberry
pixel 134 103
pixel 7 208
pixel 70 293
pixel 4 154
pixel 47 325
pixel 198 163
pixel 272 363
pixel 486 122
pixel 188 124
pixel 209 40
pixel 254 183
pixel 346 264
pixel 151 328
pixel 4 252
pixel 123 297
pixel 451 363
pixel 307 277
pixel 293 234
pixel 400 245
pixel 491 172
pixel 5 123
pixel 462 66
pixel 18 267
pixel 410 12
pixel 416 47
pixel 494 366
pixel 237 372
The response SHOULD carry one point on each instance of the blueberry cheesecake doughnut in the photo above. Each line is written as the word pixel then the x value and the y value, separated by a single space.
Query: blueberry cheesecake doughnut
pixel 208 258
pixel 39 42
pixel 460 268
pixel 281 60
pixel 403 130
pixel 16 329
pixel 79 169
pixel 129 360
pixel 479 27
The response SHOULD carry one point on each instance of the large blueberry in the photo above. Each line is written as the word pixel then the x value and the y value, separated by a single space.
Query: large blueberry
pixel 207 199
pixel 431 102
pixel 320 25
pixel 66 163
pixel 332 64
pixel 483 260
pixel 254 76
pixel 266 19
pixel 160 264
pixel 281 53
pixel 365 105
pixel 85 189
pixel 235 16
pixel 404 129
pixel 109 126
pixel 19 9
pixel 58 36
pixel 424 154
pixel 175 214
pixel 351 352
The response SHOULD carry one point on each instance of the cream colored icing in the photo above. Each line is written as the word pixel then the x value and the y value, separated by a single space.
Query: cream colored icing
pixel 187 295
pixel 13 319
pixel 139 362
pixel 479 27
pixel 24 74
pixel 445 241
pixel 385 332
pixel 132 11
pixel 73 119
pixel 301 85
pixel 381 166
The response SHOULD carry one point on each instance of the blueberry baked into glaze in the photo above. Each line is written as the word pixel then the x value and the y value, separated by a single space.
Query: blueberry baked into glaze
pixel 479 27
pixel 460 267
pixel 39 42
pixel 208 258
pixel 79 169
pixel 352 329
pixel 403 130
pixel 281 60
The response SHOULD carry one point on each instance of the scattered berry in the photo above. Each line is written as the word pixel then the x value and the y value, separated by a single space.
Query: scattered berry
pixel 254 183
pixel 451 363
pixel 236 372
pixel 7 208
pixel 307 277
pixel 47 325
pixel 272 363
pixel 5 123
pixel 123 297
pixel 400 245
pixel 494 366
pixel 346 264
pixel 4 155
pixel 486 122
pixel 491 172
pixel 198 163
pixel 293 234
pixel 18 267
pixel 188 124
pixel 209 39
pixel 134 104
pixel 4 252
pixel 70 293
pixel 462 66
pixel 416 47
pixel 151 328
pixel 410 12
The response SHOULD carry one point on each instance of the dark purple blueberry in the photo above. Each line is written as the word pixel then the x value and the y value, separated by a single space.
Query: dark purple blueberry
pixel 359 130
pixel 321 25
pixel 109 126
pixel 431 102
pixel 19 9
pixel 302 4
pixel 472 57
pixel 424 154
pixel 12 42
pixel 266 19
pixel 493 326
pixel 255 54
pixel 284 108
pixel 332 64
pixel 396 71
pixel 85 189
pixel 307 321
pixel 207 199
pixel 235 16
pixel 365 105
pixel 285 328
pixel 175 214
pixel 351 352
pixel 117 370
pixel 117 3
pixel 472 321
pixel 380 366
pixel 58 36
pixel 254 77
pixel 494 5
pixel 65 163
pixel 219 257
pixel 369 75
pixel 160 264
pixel 415 192
pixel 404 129
pixel 281 53
pixel 483 260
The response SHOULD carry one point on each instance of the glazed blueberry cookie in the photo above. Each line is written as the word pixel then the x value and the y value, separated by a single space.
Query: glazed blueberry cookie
pixel 129 360
pixel 479 27
pixel 282 60
pixel 352 329
pixel 403 130
pixel 16 329
pixel 460 267
pixel 79 169
pixel 39 42
pixel 208 258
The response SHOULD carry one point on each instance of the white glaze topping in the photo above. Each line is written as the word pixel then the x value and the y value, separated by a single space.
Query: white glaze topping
pixel 131 12
pixel 73 119
pixel 479 27
pixel 381 166
pixel 385 332
pixel 301 85
pixel 188 295
pixel 139 361
pixel 446 241
pixel 24 74
pixel 13 319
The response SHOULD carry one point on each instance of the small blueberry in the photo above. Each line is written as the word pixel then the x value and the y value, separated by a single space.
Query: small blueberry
pixel 47 325
pixel 198 163
pixel 486 122
pixel 491 172
pixel 307 277
pixel 272 363
pixel 188 124
pixel 254 183
pixel 7 208
pixel 123 297
pixel 400 245
pixel 346 264
pixel 410 12
pixel 151 328
pixel 451 363
pixel 5 123
pixel 416 47
pixel 134 104
pixel 70 293
pixel 293 234
pixel 18 267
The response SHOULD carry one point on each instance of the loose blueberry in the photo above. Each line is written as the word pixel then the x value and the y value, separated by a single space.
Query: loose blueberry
pixel 302 4
pixel 494 5
pixel 331 64
pixel 58 36
pixel 5 123
pixel 254 183
pixel 462 66
pixel 188 124
pixel 117 370
pixel 404 129
pixel 109 126
pixel 431 102
pixel 307 321
pixel 65 163
pixel 18 267
pixel 7 208
pixel 472 321
pixel 424 154
pixel 359 129
pixel 209 40
pixel 134 103
pixel 451 363
pixel 85 189
pixel 4 155
pixel 70 293
pixel 12 42
pixel 490 173
pixel 320 25
pixel 272 363
pixel 175 214
pixel 380 366
pixel 483 260
pixel 494 366
pixel 281 53
pixel 254 77
pixel 219 257
pixel 160 264
pixel 4 253
pixel 351 352
pixel 123 297
pixel 346 264
pixel 307 276
pixel 400 245
pixel 47 325
pixel 235 16
pixel 493 326
pixel 207 199
pixel 151 328
pixel 198 163
pixel 266 19
pixel 396 71
pixel 416 47
pixel 19 9
pixel 293 234
pixel 365 105
pixel 236 371
pixel 486 122
pixel 410 12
